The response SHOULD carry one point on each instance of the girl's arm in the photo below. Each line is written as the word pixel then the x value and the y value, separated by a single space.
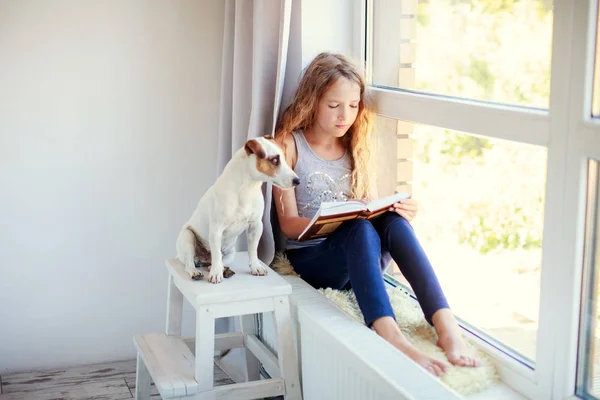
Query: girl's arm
pixel 285 200
pixel 290 223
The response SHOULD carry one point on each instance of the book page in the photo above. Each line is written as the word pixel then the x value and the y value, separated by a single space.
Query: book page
pixel 387 201
pixel 331 209
pixel 340 207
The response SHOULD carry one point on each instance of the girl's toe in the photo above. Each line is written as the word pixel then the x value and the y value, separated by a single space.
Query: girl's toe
pixel 442 366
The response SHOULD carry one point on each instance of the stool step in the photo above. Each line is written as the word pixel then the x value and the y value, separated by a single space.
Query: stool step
pixel 170 363
pixel 241 287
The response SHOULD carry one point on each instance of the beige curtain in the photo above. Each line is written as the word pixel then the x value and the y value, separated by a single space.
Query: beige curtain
pixel 255 51
pixel 255 48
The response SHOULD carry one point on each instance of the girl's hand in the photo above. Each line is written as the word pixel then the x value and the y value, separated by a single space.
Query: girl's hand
pixel 406 208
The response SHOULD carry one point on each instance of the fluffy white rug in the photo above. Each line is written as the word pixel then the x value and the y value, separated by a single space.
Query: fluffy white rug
pixel 412 323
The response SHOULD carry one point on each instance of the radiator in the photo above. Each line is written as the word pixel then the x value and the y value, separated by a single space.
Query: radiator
pixel 341 360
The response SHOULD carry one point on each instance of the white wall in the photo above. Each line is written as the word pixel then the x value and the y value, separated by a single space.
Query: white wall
pixel 328 25
pixel 108 118
pixel 318 26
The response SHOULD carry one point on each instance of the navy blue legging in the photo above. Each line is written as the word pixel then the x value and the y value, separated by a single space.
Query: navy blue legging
pixel 355 256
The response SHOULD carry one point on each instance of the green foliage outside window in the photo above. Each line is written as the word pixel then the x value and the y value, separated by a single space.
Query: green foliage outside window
pixel 489 34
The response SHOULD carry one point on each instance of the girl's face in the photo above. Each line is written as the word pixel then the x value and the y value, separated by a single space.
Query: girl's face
pixel 338 107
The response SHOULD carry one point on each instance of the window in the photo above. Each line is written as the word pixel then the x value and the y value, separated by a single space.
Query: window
pixel 481 197
pixel 497 51
pixel 490 109
pixel 596 91
pixel 480 222
pixel 589 359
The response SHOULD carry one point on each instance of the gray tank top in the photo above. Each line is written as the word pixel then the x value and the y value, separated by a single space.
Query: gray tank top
pixel 320 180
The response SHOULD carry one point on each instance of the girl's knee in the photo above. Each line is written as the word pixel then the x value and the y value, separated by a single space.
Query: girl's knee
pixel 362 229
pixel 395 230
pixel 391 219
pixel 360 224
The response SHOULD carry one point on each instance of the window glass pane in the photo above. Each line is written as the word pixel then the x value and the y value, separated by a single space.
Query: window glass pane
pixel 589 352
pixel 480 221
pixel 596 94
pixel 496 51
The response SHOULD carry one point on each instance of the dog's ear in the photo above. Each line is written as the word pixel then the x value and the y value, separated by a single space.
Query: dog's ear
pixel 254 147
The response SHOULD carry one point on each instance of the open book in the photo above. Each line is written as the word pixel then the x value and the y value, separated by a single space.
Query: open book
pixel 332 214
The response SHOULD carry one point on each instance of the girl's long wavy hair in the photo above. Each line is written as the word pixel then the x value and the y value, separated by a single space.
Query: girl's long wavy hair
pixel 318 77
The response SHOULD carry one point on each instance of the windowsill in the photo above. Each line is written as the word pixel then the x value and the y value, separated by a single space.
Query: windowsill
pixel 516 375
pixel 367 353
pixel 501 391
pixel 392 371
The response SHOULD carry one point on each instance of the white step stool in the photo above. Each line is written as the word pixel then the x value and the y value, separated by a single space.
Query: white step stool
pixel 166 359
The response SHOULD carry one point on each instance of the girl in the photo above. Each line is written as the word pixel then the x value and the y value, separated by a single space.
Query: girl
pixel 325 136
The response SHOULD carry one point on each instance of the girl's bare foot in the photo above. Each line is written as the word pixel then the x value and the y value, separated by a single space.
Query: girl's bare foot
pixel 386 328
pixel 451 341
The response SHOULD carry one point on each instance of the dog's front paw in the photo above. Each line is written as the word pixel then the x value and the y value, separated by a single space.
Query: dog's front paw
pixel 194 273
pixel 228 272
pixel 257 268
pixel 215 275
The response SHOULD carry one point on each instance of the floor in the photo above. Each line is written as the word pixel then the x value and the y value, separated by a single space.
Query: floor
pixel 114 381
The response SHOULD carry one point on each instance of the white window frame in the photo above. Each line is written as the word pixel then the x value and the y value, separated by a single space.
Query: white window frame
pixel 570 136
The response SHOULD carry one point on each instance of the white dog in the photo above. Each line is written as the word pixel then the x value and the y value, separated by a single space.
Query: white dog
pixel 233 204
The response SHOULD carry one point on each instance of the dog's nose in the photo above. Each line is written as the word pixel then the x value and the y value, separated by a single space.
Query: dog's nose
pixel 296 181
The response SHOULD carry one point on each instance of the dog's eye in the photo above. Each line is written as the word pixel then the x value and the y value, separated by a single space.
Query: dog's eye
pixel 275 160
